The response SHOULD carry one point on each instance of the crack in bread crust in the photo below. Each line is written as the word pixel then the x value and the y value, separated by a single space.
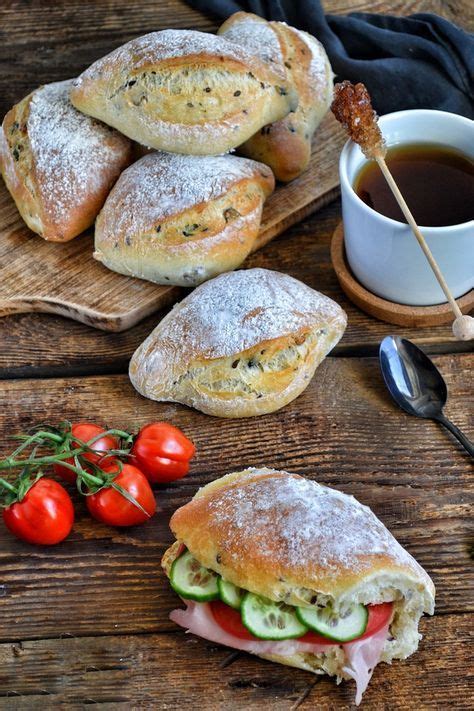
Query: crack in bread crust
pixel 265 369
pixel 207 352
pixel 285 145
pixel 181 220
pixel 184 92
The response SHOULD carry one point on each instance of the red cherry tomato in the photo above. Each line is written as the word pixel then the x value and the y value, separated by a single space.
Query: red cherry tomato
pixel 162 452
pixel 44 515
pixel 111 507
pixel 230 621
pixel 85 431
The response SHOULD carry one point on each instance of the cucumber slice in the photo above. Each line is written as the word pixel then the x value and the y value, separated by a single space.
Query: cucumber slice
pixel 270 620
pixel 339 628
pixel 230 594
pixel 192 580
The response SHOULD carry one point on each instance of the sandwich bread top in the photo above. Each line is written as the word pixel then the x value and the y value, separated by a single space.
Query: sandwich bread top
pixel 279 535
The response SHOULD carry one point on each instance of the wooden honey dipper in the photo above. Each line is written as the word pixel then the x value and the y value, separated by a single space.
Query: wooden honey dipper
pixel 352 107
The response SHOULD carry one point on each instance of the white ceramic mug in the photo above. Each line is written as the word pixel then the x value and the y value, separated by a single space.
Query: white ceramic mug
pixel 383 253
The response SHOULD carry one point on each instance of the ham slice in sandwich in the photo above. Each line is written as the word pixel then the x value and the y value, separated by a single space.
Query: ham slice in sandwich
pixel 304 546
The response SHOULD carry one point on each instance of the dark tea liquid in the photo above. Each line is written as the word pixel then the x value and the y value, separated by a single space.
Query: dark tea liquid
pixel 436 181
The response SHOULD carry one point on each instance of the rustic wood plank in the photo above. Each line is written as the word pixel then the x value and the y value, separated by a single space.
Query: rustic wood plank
pixel 346 412
pixel 48 46
pixel 70 282
pixel 102 580
pixel 343 431
pixel 123 672
pixel 64 278
pixel 44 42
pixel 34 344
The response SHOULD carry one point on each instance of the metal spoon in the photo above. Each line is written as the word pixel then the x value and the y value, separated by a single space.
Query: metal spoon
pixel 416 384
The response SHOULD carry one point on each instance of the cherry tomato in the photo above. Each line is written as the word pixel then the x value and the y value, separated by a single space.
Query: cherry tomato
pixel 230 621
pixel 85 431
pixel 111 507
pixel 162 452
pixel 44 515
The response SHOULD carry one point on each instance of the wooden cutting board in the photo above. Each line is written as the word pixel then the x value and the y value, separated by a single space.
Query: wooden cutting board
pixel 64 278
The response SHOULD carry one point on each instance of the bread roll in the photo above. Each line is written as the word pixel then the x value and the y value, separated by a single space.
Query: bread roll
pixel 184 91
pixel 286 145
pixel 176 219
pixel 245 343
pixel 58 164
pixel 291 540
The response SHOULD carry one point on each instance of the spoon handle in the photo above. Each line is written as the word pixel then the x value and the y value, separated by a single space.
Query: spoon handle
pixel 466 443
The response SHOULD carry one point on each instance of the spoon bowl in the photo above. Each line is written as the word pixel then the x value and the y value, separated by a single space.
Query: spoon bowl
pixel 416 384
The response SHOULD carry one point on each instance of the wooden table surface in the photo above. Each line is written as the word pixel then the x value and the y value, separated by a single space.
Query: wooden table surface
pixel 87 621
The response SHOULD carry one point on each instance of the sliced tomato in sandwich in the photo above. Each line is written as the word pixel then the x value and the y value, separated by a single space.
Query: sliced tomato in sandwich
pixel 379 616
pixel 230 621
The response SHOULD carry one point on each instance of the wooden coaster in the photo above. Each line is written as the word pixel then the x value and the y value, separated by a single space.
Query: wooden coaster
pixel 400 314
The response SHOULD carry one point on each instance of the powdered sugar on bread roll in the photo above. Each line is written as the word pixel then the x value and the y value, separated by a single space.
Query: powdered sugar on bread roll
pixel 306 547
pixel 59 164
pixel 184 91
pixel 175 219
pixel 299 543
pixel 286 144
pixel 245 343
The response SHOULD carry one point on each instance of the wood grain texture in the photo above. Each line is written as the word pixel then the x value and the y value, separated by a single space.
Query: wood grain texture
pixel 96 607
pixel 65 279
pixel 123 672
pixel 34 344
pixel 459 11
pixel 42 41
pixel 343 431
pixel 69 282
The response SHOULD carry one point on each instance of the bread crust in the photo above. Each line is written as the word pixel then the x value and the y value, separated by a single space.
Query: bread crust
pixel 289 539
pixel 184 91
pixel 15 179
pixel 243 344
pixel 58 164
pixel 286 144
pixel 210 527
pixel 175 219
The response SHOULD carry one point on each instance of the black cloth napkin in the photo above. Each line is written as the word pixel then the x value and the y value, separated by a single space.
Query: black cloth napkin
pixel 420 61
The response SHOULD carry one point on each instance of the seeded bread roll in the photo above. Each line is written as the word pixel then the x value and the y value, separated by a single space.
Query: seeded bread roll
pixel 292 540
pixel 58 164
pixel 286 145
pixel 245 343
pixel 175 219
pixel 184 91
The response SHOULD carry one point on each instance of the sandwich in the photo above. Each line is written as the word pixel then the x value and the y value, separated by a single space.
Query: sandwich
pixel 295 572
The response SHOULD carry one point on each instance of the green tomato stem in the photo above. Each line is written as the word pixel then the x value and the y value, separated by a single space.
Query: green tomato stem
pixel 83 474
pixel 9 487
pixel 10 463
pixel 129 498
pixel 82 447
pixel 33 438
